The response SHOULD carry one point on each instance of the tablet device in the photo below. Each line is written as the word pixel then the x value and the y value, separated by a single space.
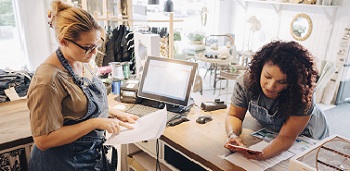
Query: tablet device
pixel 236 148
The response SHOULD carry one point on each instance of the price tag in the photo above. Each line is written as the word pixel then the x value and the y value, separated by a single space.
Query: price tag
pixel 12 94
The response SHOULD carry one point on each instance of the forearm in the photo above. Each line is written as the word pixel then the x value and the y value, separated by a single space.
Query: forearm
pixel 64 135
pixel 277 146
pixel 233 124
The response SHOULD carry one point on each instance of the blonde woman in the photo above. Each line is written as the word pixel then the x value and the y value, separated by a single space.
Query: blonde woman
pixel 69 111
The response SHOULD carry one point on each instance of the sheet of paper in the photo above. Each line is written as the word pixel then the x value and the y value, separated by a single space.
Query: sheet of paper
pixel 147 127
pixel 265 134
pixel 301 144
pixel 254 165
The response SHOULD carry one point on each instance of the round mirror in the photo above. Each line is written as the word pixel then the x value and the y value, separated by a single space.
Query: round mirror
pixel 301 27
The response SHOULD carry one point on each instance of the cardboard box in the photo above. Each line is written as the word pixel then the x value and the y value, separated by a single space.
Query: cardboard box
pixel 328 154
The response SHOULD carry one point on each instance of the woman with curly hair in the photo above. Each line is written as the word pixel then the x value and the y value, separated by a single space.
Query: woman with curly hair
pixel 277 90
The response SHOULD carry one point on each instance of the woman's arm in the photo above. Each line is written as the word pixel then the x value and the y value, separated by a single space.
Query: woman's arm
pixel 234 119
pixel 121 115
pixel 68 134
pixel 285 138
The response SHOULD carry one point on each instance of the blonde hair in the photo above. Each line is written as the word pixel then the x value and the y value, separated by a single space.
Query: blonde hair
pixel 69 22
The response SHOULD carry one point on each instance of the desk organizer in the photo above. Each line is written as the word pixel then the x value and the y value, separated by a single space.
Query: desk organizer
pixel 332 153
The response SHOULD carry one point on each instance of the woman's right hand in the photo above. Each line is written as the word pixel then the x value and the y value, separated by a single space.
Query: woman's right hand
pixel 235 141
pixel 111 125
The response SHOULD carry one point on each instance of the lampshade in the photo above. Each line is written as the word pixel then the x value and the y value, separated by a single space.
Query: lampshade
pixel 254 24
pixel 153 2
pixel 168 6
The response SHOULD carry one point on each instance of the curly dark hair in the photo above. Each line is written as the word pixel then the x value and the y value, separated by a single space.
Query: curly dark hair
pixel 297 63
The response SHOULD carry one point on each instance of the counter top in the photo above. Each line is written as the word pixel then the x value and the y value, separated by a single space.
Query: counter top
pixel 14 124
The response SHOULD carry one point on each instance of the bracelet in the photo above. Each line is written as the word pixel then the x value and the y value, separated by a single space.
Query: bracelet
pixel 232 134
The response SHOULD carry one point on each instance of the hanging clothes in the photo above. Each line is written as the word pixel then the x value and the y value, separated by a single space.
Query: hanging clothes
pixel 119 48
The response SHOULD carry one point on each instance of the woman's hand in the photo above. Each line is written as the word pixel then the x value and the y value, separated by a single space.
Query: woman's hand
pixel 246 152
pixel 254 156
pixel 249 154
pixel 123 116
pixel 235 141
pixel 111 125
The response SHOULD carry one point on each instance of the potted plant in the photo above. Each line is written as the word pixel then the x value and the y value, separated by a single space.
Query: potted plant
pixel 195 37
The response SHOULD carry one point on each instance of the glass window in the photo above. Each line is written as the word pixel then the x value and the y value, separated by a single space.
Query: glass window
pixel 11 52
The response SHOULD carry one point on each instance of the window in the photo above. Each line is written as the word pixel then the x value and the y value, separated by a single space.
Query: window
pixel 11 52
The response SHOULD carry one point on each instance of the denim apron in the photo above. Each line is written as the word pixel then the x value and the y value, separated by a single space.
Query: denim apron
pixel 88 152
pixel 316 128
pixel 271 121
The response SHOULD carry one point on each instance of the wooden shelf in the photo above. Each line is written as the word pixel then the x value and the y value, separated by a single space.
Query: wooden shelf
pixel 142 161
pixel 278 5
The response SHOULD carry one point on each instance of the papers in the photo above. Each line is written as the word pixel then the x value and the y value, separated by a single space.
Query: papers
pixel 301 144
pixel 148 127
pixel 254 165
pixel 265 134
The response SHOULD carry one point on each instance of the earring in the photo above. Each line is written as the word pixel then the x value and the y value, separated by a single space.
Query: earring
pixel 49 15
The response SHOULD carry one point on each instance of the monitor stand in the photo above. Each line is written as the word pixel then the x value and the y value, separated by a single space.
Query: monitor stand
pixel 170 107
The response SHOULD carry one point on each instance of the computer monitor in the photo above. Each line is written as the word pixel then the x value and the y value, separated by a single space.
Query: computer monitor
pixel 167 80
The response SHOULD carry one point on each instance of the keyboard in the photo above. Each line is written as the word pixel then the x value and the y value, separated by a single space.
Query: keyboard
pixel 142 110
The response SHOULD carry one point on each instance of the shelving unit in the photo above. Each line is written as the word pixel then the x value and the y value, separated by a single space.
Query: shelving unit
pixel 142 156
pixel 329 10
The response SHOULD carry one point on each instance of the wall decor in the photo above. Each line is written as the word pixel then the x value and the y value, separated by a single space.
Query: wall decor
pixel 301 27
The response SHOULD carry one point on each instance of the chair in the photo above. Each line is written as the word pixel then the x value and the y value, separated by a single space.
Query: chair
pixel 220 47
pixel 230 74
pixel 198 84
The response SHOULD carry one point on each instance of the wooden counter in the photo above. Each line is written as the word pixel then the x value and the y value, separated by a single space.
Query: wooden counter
pixel 204 143
pixel 14 124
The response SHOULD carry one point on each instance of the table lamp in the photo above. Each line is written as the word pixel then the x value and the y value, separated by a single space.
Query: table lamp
pixel 254 27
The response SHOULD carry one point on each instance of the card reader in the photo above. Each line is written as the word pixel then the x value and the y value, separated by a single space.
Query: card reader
pixel 210 106
pixel 128 91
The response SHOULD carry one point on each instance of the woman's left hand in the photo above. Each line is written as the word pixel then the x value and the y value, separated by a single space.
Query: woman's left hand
pixel 254 156
pixel 123 116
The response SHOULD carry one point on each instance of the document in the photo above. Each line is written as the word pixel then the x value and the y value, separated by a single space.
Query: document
pixel 265 134
pixel 148 127
pixel 301 144
pixel 254 165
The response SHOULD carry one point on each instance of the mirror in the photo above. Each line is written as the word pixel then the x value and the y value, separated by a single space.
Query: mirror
pixel 301 27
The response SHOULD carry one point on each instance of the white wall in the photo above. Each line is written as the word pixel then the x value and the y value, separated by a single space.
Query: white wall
pixel 275 23
pixel 35 35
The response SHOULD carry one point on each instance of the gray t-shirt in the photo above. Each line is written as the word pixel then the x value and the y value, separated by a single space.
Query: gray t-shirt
pixel 241 97
pixel 317 127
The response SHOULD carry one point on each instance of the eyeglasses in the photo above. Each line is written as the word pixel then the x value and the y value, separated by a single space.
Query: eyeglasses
pixel 87 49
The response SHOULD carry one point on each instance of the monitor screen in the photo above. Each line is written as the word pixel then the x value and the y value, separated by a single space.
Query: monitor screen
pixel 167 80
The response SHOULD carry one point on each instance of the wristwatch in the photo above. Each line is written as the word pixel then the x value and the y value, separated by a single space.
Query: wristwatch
pixel 232 134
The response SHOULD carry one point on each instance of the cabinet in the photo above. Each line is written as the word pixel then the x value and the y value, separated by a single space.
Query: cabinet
pixel 16 140
pixel 142 156
pixel 15 158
